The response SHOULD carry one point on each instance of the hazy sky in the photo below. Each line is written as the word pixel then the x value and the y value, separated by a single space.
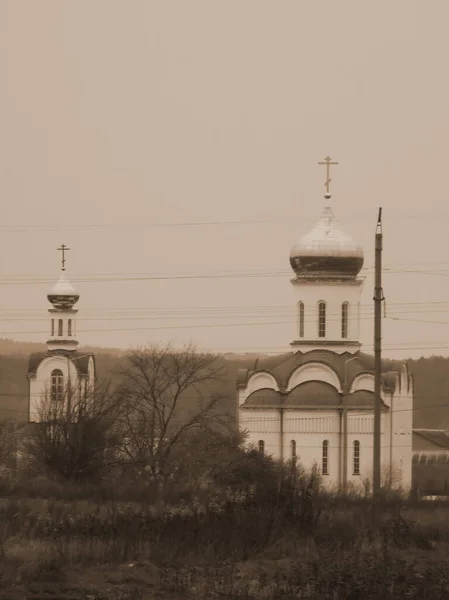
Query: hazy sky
pixel 123 122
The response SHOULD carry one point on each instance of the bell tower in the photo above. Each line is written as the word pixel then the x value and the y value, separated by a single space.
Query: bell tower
pixel 63 297
pixel 61 375
pixel 327 287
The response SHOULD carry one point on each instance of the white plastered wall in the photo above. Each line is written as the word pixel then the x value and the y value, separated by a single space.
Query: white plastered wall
pixel 41 382
pixel 402 425
pixel 334 294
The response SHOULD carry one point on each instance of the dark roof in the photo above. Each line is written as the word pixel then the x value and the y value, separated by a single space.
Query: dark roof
pixel 282 366
pixel 314 393
pixel 439 437
pixel 362 398
pixel 82 362
pixel 264 397
pixel 430 458
pixel 310 393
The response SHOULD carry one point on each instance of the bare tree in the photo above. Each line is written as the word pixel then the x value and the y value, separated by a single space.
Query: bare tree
pixel 77 435
pixel 7 445
pixel 168 394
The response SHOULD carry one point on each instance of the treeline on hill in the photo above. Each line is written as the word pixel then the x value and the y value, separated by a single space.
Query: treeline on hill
pixel 431 377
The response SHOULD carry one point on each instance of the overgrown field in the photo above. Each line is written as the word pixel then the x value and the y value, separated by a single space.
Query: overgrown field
pixel 293 543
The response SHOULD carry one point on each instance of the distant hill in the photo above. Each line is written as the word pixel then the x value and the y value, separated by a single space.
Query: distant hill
pixel 431 377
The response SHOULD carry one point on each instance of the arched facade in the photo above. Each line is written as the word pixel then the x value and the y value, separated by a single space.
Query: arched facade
pixel 315 404
pixel 62 374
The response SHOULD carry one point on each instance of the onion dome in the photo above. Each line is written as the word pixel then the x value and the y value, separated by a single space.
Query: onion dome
pixel 326 252
pixel 63 295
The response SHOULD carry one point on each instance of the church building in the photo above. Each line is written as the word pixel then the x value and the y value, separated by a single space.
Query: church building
pixel 315 404
pixel 62 371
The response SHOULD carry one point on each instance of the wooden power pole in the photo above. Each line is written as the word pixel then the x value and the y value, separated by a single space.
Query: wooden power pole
pixel 378 298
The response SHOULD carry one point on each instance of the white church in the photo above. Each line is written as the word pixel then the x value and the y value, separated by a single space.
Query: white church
pixel 315 404
pixel 62 369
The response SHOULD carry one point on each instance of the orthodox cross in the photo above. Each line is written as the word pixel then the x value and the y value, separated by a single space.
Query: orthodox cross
pixel 328 162
pixel 63 249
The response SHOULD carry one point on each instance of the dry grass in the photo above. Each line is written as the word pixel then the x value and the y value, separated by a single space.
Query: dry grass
pixel 285 544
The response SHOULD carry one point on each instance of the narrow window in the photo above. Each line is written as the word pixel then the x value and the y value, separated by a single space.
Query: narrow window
pixel 322 319
pixel 344 319
pixel 293 450
pixel 57 385
pixel 261 446
pixel 301 319
pixel 52 327
pixel 69 327
pixel 325 458
pixel 356 468
pixel 60 327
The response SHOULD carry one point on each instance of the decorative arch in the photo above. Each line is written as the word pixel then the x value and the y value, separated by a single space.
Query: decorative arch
pixel 262 379
pixel 363 381
pixel 314 371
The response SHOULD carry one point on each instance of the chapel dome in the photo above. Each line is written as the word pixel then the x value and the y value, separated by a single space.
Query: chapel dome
pixel 63 295
pixel 326 252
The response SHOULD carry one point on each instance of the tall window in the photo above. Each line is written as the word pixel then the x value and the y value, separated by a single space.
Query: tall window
pixel 344 319
pixel 69 327
pixel 322 319
pixel 325 458
pixel 60 327
pixel 301 319
pixel 261 446
pixel 57 385
pixel 293 450
pixel 356 458
pixel 52 327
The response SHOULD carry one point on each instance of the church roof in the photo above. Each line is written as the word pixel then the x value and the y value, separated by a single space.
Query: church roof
pixel 310 393
pixel 81 362
pixel 438 437
pixel 284 365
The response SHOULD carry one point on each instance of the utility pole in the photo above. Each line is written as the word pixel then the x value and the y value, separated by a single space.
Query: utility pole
pixel 378 299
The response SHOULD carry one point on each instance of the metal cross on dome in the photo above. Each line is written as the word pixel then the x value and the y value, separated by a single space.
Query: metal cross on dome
pixel 328 162
pixel 63 249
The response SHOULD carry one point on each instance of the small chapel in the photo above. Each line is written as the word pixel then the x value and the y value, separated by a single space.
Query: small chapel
pixel 315 403
pixel 61 370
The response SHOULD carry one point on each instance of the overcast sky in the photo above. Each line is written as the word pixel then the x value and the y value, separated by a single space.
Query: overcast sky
pixel 126 123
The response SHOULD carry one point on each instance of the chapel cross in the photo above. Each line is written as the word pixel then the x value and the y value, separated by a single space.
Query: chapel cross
pixel 63 249
pixel 328 162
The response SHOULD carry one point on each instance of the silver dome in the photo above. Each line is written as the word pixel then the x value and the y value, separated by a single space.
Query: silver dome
pixel 63 295
pixel 326 252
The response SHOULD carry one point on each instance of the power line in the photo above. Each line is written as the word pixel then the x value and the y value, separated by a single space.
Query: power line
pixel 286 220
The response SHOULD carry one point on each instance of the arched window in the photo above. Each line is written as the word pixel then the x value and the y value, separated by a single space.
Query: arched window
pixel 60 330
pixel 261 446
pixel 293 450
pixel 321 319
pixel 57 385
pixel 301 319
pixel 356 458
pixel 52 327
pixel 325 458
pixel 344 319
pixel 69 327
